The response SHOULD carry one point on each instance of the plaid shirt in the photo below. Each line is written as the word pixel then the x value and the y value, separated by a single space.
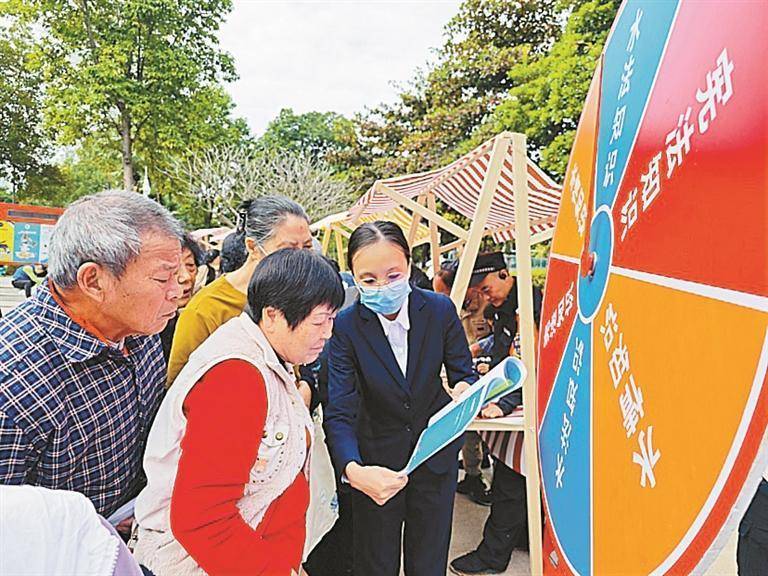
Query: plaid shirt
pixel 74 412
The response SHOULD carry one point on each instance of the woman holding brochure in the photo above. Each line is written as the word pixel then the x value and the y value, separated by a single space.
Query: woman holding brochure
pixel 385 360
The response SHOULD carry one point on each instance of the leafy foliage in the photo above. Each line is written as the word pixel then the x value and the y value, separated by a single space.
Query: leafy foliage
pixel 548 92
pixel 443 105
pixel 120 86
pixel 142 74
pixel 22 142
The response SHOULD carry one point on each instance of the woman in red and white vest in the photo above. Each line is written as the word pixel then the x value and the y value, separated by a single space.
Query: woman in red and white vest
pixel 227 456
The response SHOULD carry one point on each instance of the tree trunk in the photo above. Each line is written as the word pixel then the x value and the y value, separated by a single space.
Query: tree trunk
pixel 127 147
pixel 208 220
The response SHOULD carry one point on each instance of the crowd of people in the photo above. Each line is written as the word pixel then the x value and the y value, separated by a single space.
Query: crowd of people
pixel 193 397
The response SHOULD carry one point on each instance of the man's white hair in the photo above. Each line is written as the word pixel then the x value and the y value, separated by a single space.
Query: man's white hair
pixel 105 228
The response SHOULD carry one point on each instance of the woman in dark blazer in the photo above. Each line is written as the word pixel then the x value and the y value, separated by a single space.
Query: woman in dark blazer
pixel 385 359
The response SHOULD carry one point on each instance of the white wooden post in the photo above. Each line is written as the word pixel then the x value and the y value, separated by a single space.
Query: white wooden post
pixel 527 344
pixel 426 213
pixel 477 228
pixel 326 240
pixel 434 236
pixel 340 250
pixel 457 244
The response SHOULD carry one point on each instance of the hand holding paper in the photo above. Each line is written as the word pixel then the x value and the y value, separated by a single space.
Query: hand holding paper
pixel 506 377
pixel 491 410
pixel 458 390
pixel 378 483
pixel 453 419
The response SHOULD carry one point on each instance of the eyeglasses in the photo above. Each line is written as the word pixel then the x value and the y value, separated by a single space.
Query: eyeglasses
pixel 376 285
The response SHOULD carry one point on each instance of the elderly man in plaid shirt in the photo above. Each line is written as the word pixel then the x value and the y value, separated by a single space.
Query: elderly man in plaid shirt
pixel 81 370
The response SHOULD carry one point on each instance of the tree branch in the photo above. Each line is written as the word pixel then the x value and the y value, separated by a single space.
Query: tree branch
pixel 89 28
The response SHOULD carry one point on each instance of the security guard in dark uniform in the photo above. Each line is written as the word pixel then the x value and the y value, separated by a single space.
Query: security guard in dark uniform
pixel 507 524
pixel 491 278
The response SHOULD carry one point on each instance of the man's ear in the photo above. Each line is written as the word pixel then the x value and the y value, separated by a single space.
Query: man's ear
pixel 503 274
pixel 94 281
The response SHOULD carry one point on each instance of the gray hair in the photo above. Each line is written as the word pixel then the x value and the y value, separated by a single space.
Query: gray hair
pixel 105 228
pixel 260 217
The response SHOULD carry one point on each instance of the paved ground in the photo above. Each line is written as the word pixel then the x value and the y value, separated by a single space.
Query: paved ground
pixel 468 521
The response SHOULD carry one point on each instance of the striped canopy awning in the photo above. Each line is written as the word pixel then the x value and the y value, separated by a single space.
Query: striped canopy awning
pixel 459 184
pixel 397 215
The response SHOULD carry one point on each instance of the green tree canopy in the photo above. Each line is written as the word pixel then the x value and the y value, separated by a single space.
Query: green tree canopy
pixel 548 92
pixel 143 73
pixel 22 141
pixel 443 105
pixel 317 134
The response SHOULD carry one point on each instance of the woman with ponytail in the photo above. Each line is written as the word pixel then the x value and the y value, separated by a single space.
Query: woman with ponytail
pixel 384 384
pixel 267 224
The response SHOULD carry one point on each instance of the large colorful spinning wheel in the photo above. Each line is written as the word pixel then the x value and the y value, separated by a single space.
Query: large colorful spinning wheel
pixel 653 398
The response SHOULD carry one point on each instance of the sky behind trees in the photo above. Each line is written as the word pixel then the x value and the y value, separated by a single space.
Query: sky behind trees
pixel 339 56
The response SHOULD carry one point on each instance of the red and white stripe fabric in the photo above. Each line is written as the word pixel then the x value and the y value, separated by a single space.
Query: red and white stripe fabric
pixel 507 446
pixel 398 215
pixel 459 185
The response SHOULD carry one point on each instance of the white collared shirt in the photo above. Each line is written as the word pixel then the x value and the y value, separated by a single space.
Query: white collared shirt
pixel 396 332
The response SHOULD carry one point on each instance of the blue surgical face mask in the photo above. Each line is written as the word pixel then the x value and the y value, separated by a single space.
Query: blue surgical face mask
pixel 385 299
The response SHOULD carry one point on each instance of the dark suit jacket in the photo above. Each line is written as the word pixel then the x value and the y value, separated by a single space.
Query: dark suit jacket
pixel 374 414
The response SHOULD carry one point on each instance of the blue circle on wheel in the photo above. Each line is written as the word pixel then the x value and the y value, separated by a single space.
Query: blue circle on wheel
pixel 592 286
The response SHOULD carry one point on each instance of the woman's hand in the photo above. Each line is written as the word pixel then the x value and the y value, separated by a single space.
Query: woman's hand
pixel 491 411
pixel 458 390
pixel 379 483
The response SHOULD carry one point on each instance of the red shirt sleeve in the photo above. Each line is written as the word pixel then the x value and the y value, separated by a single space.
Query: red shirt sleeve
pixel 226 412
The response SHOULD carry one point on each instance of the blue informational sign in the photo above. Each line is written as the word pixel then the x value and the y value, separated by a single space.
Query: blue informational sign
pixel 26 242
pixel 451 422
pixel 506 377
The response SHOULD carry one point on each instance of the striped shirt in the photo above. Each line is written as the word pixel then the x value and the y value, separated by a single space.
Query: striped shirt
pixel 74 411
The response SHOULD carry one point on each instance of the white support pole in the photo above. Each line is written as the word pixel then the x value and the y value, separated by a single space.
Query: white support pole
pixel 542 236
pixel 527 344
pixel 477 228
pixel 417 208
pixel 434 236
pixel 340 250
pixel 413 230
pixel 326 239
pixel 456 244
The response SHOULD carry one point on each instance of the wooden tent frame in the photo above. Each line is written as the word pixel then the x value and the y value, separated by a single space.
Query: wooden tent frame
pixel 340 225
pixel 468 245
pixel 524 285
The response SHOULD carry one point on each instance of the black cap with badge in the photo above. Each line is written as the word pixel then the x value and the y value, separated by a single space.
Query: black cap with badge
pixel 487 264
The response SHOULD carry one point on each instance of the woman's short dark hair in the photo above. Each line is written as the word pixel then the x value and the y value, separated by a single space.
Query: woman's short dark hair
pixel 233 252
pixel 191 244
pixel 374 232
pixel 294 282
